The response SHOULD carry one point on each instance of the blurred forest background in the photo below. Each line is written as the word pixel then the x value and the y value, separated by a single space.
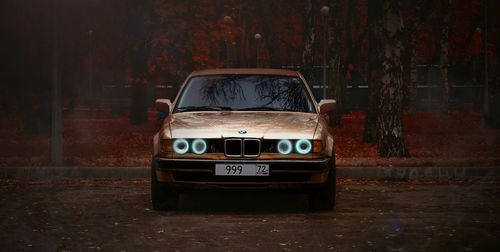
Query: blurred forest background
pixel 120 55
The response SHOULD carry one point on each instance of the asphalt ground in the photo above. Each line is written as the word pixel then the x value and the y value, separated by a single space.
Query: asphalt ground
pixel 115 215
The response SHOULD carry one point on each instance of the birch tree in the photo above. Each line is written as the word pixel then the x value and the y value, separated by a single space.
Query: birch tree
pixel 389 124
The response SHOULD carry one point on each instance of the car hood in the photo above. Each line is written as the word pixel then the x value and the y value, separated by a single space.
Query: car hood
pixel 224 124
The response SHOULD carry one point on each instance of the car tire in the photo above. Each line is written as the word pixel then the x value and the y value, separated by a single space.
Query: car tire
pixel 163 198
pixel 323 198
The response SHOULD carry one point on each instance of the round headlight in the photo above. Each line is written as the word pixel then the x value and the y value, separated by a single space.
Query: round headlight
pixel 180 146
pixel 199 146
pixel 303 146
pixel 284 147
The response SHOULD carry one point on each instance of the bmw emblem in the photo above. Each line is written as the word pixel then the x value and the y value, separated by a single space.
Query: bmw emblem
pixel 242 131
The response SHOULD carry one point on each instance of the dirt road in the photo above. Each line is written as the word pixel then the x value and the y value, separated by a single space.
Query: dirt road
pixel 115 215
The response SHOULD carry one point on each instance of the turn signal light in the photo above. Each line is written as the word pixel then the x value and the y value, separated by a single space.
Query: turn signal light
pixel 317 146
pixel 166 146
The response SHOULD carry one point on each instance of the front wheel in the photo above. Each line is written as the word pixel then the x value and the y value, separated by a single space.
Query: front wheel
pixel 162 197
pixel 323 198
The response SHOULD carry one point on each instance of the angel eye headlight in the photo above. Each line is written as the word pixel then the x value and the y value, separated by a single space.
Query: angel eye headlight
pixel 199 146
pixel 180 146
pixel 303 146
pixel 284 147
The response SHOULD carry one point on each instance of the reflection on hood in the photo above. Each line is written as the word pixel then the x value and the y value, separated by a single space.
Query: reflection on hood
pixel 223 124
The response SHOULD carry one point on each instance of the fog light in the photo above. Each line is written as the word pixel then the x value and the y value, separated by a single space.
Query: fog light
pixel 181 146
pixel 303 146
pixel 284 147
pixel 199 146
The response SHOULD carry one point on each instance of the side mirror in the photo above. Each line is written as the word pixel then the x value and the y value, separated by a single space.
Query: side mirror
pixel 327 105
pixel 163 105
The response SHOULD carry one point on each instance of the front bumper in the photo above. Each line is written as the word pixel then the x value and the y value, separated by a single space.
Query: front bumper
pixel 200 173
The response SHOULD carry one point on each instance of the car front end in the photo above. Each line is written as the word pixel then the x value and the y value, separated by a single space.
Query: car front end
pixel 233 147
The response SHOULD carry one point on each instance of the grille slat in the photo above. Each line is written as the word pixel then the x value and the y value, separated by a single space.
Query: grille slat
pixel 251 147
pixel 233 147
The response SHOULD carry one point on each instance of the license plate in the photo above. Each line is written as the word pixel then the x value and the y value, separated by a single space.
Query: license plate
pixel 242 169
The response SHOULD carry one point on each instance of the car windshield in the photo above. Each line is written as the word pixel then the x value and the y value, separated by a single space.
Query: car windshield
pixel 245 93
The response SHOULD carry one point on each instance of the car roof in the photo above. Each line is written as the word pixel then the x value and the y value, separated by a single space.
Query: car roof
pixel 246 71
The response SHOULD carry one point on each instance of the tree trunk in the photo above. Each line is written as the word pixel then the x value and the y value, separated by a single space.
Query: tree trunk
pixel 413 75
pixel 374 69
pixel 309 39
pixel 422 10
pixel 337 87
pixel 389 123
pixel 443 57
pixel 138 42
pixel 56 144
pixel 269 35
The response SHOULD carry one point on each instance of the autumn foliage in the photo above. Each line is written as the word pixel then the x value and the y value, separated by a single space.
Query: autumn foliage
pixel 145 44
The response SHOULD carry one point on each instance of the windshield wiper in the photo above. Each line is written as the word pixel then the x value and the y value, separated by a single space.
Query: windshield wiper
pixel 262 108
pixel 203 108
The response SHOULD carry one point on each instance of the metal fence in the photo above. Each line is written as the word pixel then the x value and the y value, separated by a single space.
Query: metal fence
pixel 425 91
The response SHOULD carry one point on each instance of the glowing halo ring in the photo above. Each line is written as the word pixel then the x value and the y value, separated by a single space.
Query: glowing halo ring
pixel 299 146
pixel 195 146
pixel 284 147
pixel 180 146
